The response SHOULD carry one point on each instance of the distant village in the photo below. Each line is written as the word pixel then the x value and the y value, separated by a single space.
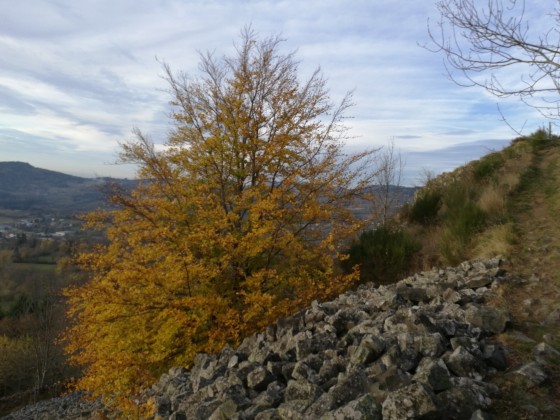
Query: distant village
pixel 40 227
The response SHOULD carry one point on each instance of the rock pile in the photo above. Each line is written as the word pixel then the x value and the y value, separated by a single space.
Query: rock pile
pixel 70 406
pixel 420 348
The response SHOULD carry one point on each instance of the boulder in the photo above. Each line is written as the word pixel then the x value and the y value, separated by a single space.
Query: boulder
pixel 411 402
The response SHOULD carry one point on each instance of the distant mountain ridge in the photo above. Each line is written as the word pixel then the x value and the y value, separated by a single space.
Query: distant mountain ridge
pixel 25 187
pixel 35 190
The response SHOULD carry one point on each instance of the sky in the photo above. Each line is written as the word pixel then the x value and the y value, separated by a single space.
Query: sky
pixel 76 77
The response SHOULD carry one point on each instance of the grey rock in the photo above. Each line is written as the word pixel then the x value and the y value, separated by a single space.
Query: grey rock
pixel 302 390
pixel 424 344
pixel 534 374
pixel 489 319
pixel 481 415
pixel 388 378
pixel 434 373
pixel 413 294
pixel 470 344
pixel 479 280
pixel 465 398
pixel 259 378
pixel 546 355
pixel 369 350
pixel 463 363
pixel 412 402
pixel 293 409
pixel 363 408
pixel 225 411
pixel 494 355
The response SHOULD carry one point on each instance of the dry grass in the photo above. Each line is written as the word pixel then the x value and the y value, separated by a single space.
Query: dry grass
pixel 497 240
pixel 492 202
pixel 509 181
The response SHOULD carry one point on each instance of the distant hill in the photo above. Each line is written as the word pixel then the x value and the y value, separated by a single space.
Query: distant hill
pixel 35 190
pixel 25 187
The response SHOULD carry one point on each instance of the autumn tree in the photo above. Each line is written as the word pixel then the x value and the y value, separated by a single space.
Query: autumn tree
pixel 239 219
pixel 492 44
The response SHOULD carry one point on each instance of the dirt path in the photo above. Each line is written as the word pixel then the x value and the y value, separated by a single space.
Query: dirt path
pixel 533 295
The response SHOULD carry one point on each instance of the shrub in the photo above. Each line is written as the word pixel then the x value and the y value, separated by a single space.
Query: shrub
pixel 488 165
pixel 464 218
pixel 16 365
pixel 425 208
pixel 468 220
pixel 383 254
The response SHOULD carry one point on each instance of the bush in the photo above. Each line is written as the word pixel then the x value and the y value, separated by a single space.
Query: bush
pixel 464 218
pixel 16 365
pixel 383 254
pixel 425 208
pixel 488 165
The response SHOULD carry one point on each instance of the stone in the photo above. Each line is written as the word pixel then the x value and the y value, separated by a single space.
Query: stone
pixel 388 378
pixel 463 363
pixel 481 415
pixel 331 368
pixel 479 280
pixel 314 343
pixel 413 294
pixel 546 355
pixel 271 414
pixel 369 350
pixel 433 372
pixel 489 319
pixel 163 404
pixel 302 390
pixel 470 344
pixel 293 409
pixel 364 407
pixel 226 410
pixel 205 409
pixel 533 373
pixel 424 344
pixel 462 402
pixel 348 388
pixel 411 402
pixel 494 355
pixel 259 378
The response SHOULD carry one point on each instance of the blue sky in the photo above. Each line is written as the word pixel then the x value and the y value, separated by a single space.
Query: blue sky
pixel 77 76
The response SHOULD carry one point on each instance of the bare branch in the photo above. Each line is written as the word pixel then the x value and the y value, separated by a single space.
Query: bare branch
pixel 484 44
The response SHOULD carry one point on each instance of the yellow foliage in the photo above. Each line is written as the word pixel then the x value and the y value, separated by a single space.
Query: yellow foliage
pixel 239 221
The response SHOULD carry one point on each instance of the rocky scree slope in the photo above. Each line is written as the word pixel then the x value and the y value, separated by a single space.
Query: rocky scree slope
pixel 422 348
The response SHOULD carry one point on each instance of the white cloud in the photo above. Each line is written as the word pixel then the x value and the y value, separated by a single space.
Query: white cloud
pixel 78 76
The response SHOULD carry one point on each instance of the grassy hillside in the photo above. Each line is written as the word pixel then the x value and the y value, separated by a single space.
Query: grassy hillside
pixel 507 203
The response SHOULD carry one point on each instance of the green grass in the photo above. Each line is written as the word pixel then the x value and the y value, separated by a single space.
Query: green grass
pixel 26 267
